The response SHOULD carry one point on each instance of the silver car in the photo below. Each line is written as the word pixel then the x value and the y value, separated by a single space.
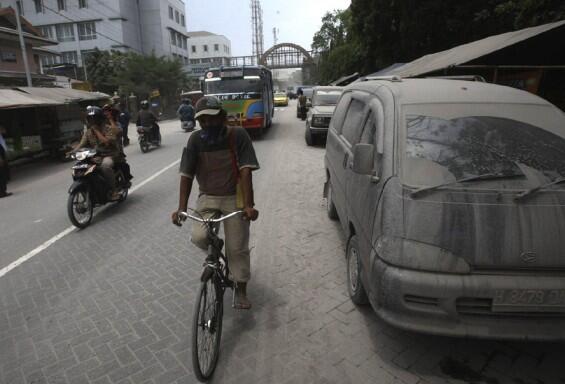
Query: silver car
pixel 452 197
pixel 324 100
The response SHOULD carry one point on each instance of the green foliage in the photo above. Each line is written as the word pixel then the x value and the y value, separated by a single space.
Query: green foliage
pixel 373 34
pixel 131 72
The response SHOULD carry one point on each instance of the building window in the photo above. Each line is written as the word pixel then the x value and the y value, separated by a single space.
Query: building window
pixel 69 57
pixel 173 38
pixel 49 60
pixel 82 4
pixel 193 48
pixel 185 43
pixel 47 31
pixel 205 48
pixel 8 56
pixel 38 6
pixel 216 47
pixel 182 20
pixel 170 12
pixel 84 54
pixel 87 31
pixel 194 61
pixel 177 17
pixel 62 5
pixel 65 32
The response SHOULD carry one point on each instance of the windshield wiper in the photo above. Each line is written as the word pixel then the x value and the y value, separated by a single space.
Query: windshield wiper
pixel 529 192
pixel 484 176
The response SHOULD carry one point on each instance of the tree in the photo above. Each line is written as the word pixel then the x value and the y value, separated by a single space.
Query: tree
pixel 127 73
pixel 373 34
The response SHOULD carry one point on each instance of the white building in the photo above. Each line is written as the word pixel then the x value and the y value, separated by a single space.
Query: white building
pixel 80 26
pixel 207 49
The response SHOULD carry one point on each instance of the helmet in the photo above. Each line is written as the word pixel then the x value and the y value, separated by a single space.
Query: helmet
pixel 94 114
pixel 208 105
pixel 185 100
pixel 145 104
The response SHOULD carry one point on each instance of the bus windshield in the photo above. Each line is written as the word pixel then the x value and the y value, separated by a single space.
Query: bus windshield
pixel 224 86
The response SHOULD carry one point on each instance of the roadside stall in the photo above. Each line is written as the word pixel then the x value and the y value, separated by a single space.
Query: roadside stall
pixel 531 59
pixel 44 120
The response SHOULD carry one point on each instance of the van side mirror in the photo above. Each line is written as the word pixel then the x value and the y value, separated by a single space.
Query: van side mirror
pixel 363 159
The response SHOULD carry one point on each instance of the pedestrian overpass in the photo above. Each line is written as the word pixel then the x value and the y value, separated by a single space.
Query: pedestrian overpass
pixel 281 56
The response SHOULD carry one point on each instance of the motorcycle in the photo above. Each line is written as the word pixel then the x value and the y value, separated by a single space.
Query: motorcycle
pixel 187 125
pixel 146 137
pixel 89 188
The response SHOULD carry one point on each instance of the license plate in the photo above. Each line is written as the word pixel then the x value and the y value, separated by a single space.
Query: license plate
pixel 529 300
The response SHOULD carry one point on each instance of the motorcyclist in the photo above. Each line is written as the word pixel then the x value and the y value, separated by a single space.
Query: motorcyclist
pixel 186 112
pixel 113 115
pixel 104 138
pixel 146 118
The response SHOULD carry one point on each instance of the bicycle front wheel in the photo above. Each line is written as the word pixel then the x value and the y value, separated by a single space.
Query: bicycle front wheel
pixel 207 328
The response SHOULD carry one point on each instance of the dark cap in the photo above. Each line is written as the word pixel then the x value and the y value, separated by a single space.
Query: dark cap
pixel 208 105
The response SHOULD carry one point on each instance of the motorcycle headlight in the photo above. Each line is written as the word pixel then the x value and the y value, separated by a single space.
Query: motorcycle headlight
pixel 80 156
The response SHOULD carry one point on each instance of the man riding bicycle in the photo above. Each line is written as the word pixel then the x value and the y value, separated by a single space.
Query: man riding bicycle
pixel 221 158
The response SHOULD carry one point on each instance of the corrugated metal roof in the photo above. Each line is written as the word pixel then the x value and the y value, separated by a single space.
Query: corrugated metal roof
pixel 12 99
pixel 64 95
pixel 34 97
pixel 467 52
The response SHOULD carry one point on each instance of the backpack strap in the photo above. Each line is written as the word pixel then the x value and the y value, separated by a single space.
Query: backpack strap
pixel 231 143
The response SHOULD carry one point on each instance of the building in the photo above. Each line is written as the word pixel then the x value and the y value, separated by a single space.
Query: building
pixel 207 49
pixel 80 26
pixel 12 69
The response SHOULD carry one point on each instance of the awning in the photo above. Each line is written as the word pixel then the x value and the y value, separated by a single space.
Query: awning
pixel 13 99
pixel 472 51
pixel 64 95
pixel 26 97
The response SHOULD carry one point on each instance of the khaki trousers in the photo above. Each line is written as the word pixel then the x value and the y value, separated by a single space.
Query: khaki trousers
pixel 236 230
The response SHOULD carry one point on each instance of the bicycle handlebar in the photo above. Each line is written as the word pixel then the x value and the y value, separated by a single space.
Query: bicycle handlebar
pixel 187 215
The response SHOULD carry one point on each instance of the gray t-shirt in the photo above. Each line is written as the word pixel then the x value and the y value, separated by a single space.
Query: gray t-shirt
pixel 212 163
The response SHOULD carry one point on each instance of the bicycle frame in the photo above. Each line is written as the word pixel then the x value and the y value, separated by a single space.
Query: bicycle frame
pixel 216 262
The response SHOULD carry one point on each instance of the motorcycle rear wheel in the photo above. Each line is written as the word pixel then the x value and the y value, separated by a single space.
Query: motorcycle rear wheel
pixel 80 208
pixel 144 146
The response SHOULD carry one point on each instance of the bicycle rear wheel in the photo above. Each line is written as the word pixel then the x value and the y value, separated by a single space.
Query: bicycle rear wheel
pixel 207 328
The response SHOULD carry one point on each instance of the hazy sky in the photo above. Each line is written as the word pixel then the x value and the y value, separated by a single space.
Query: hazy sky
pixel 297 20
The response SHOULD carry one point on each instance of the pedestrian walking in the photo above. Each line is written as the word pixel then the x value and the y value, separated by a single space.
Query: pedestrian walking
pixel 221 159
pixel 4 170
pixel 124 119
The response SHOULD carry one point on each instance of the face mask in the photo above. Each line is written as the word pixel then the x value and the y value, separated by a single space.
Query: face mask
pixel 210 133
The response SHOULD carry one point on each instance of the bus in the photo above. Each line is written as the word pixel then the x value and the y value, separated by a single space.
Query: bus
pixel 246 94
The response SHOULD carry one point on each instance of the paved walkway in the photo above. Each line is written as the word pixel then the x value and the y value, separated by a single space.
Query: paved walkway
pixel 112 304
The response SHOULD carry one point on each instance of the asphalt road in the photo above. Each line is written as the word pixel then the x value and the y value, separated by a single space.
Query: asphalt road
pixel 113 303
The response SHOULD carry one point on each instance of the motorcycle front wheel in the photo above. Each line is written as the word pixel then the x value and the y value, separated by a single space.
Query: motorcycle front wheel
pixel 80 208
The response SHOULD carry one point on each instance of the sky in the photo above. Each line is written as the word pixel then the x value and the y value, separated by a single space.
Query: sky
pixel 296 20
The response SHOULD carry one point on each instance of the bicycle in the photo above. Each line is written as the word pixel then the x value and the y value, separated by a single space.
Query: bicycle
pixel 209 305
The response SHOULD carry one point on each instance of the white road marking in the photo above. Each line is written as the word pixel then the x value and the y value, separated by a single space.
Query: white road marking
pixel 38 221
pixel 71 229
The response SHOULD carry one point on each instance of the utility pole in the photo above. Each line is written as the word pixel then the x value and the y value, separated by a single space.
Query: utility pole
pixel 23 44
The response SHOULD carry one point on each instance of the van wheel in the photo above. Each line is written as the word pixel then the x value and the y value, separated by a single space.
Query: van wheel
pixel 309 137
pixel 330 206
pixel 354 283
